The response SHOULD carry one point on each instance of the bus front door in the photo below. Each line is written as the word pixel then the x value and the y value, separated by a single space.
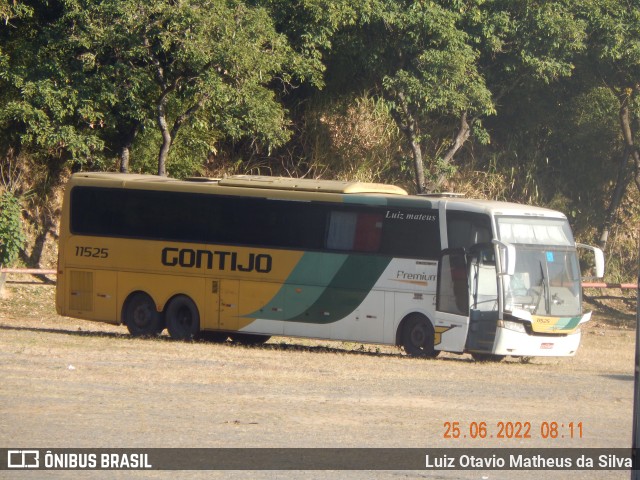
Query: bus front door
pixel 452 301
pixel 484 309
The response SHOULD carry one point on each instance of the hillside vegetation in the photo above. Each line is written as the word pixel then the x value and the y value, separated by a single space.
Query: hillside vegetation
pixel 528 101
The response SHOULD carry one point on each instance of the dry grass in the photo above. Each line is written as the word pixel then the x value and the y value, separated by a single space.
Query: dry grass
pixel 71 383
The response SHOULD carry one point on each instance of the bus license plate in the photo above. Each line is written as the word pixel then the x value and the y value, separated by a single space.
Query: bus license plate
pixel 546 346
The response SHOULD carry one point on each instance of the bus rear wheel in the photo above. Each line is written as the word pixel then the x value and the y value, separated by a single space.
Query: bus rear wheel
pixel 140 316
pixel 418 337
pixel 183 319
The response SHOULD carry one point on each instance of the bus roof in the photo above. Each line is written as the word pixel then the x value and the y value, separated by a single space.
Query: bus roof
pixel 310 185
pixel 310 189
pixel 495 207
pixel 256 181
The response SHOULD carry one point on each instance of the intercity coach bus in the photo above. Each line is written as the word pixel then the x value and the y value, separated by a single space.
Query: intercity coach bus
pixel 248 257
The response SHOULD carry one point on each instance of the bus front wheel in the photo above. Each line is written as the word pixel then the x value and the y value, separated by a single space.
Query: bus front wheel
pixel 183 319
pixel 418 337
pixel 140 316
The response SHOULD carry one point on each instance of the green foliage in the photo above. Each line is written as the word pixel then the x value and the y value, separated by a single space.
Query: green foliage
pixel 200 64
pixel 81 81
pixel 13 10
pixel 512 100
pixel 12 236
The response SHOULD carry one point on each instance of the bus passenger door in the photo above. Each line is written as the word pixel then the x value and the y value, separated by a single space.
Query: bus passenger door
pixel 452 301
pixel 484 308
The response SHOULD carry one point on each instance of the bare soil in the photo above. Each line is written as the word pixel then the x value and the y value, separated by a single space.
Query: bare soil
pixel 72 383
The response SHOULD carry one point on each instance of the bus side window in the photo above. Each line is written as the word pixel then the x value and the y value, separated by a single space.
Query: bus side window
pixel 465 229
pixel 368 232
pixel 342 229
pixel 354 231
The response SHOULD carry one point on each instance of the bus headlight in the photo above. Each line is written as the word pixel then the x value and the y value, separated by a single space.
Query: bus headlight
pixel 515 326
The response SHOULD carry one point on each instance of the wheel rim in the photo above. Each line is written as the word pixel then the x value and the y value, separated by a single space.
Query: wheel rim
pixel 419 336
pixel 142 316
pixel 184 317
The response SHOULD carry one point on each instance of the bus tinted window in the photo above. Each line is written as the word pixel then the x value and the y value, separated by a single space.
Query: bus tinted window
pixel 195 218
pixel 411 234
pixel 465 229
pixel 201 218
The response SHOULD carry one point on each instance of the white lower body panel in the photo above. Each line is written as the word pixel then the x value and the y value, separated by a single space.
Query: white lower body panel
pixel 510 342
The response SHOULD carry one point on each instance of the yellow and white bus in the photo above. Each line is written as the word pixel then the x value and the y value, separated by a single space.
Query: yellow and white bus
pixel 248 257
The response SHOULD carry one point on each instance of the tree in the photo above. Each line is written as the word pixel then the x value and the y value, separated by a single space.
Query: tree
pixel 419 59
pixel 614 61
pixel 45 109
pixel 83 78
pixel 209 61
pixel 435 75
pixel 445 66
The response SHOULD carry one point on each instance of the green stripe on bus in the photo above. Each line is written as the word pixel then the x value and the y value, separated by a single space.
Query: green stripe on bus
pixel 324 288
pixel 396 202
pixel 567 323
pixel 347 291
pixel 305 284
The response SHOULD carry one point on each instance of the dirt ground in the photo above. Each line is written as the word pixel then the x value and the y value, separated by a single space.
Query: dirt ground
pixel 72 383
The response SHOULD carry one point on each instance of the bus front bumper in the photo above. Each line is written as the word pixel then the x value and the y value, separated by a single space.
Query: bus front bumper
pixel 522 344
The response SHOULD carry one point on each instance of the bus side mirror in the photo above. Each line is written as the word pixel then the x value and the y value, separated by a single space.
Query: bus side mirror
pixel 507 254
pixel 598 256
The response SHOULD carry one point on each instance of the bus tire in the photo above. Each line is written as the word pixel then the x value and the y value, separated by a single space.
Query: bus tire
pixel 249 338
pixel 487 357
pixel 140 316
pixel 183 319
pixel 418 337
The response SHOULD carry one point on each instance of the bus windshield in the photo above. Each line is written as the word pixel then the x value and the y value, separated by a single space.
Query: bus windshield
pixel 546 280
pixel 535 231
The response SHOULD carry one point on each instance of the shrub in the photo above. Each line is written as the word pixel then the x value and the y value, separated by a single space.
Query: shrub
pixel 12 236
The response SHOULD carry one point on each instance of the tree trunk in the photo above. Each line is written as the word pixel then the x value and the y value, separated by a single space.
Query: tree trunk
pixel 125 151
pixel 624 176
pixel 166 138
pixel 461 137
pixel 125 154
pixel 408 126
pixel 418 165
pixel 621 186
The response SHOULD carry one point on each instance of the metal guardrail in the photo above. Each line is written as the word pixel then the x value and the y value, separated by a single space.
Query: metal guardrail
pixel 24 271
pixel 29 271
pixel 629 286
